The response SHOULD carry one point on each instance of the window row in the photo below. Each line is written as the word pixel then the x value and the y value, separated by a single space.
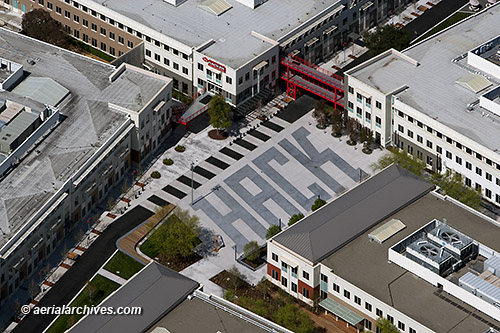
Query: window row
pixel 447 139
pixel 367 306
pixel 449 155
pixel 166 62
pixel 109 21
pixel 368 100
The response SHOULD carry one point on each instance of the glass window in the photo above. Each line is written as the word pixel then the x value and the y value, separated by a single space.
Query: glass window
pixel 368 306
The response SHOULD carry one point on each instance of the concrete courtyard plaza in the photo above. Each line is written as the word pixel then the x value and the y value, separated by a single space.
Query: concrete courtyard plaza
pixel 276 179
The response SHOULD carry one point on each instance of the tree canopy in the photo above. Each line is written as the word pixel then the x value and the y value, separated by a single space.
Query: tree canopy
pixel 40 25
pixel 321 114
pixel 292 318
pixel 295 218
pixel 180 236
pixel 219 113
pixel 385 326
pixel 251 250
pixel 273 230
pixel 317 204
pixel 386 37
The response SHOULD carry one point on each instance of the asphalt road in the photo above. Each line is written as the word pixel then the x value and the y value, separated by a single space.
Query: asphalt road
pixel 432 17
pixel 76 277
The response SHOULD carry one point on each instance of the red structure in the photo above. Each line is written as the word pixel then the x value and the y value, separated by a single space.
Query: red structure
pixel 304 75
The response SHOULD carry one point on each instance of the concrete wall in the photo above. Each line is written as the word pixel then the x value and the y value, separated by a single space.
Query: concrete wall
pixel 448 286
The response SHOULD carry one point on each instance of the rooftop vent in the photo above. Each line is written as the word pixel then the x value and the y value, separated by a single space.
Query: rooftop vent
pixel 216 7
pixel 474 82
pixel 386 231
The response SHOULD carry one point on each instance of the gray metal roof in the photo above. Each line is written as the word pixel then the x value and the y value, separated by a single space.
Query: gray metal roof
pixel 432 88
pixel 234 44
pixel 335 224
pixel 41 89
pixel 156 289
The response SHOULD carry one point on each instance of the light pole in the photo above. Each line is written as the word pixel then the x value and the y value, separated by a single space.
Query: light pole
pixel 192 183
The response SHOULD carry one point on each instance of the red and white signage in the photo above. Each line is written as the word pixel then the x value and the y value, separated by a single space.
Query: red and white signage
pixel 215 65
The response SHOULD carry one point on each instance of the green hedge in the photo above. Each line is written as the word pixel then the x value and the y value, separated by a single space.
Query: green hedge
pixel 92 50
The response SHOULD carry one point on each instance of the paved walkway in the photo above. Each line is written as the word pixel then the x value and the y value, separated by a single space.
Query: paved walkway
pixel 111 276
pixel 129 242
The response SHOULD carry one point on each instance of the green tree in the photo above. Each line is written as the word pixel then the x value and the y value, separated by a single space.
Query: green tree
pixel 251 250
pixel 401 158
pixel 180 237
pixel 40 25
pixel 320 113
pixel 229 295
pixel 295 218
pixel 385 326
pixel 292 318
pixel 352 129
pixel 219 113
pixel 452 184
pixel 386 37
pixel 273 230
pixel 337 122
pixel 318 203
pixel 236 278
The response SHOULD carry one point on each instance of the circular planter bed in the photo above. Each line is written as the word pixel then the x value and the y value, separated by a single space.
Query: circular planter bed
pixel 180 149
pixel 351 143
pixel 335 135
pixel 217 135
pixel 155 175
pixel 168 161
pixel 367 150
pixel 320 127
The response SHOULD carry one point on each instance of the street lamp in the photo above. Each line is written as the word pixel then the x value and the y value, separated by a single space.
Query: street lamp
pixel 192 183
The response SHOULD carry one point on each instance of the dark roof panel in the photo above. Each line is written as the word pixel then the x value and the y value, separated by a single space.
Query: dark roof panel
pixel 156 289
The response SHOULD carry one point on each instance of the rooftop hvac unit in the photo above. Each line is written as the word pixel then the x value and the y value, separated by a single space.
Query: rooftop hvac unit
pixel 459 245
pixel 431 256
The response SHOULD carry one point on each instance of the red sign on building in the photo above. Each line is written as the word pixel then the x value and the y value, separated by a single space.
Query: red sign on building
pixel 215 65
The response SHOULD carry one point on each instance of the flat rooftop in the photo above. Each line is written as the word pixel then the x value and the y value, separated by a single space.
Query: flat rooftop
pixel 400 288
pixel 231 31
pixel 432 88
pixel 89 122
